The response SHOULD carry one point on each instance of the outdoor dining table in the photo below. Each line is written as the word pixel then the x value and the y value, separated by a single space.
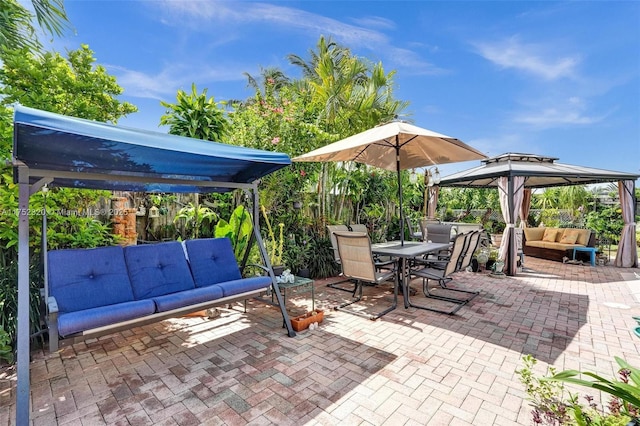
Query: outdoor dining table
pixel 405 252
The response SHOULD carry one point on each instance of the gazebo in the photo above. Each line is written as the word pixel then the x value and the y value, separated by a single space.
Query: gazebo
pixel 515 175
pixel 55 150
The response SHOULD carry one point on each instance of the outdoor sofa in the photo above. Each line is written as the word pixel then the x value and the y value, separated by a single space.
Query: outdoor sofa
pixel 102 290
pixel 557 243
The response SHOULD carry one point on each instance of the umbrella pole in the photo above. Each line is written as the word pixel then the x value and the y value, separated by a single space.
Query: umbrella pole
pixel 400 191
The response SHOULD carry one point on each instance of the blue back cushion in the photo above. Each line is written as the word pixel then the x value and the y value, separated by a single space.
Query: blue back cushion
pixel 87 278
pixel 157 269
pixel 212 261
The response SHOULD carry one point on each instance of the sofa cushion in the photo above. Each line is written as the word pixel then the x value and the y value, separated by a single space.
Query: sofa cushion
pixel 187 297
pixel 232 288
pixel 533 234
pixel 75 322
pixel 157 269
pixel 88 278
pixel 550 235
pixel 557 246
pixel 535 243
pixel 212 261
pixel 569 236
pixel 583 236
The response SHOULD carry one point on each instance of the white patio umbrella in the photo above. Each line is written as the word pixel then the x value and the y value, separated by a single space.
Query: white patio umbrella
pixel 396 146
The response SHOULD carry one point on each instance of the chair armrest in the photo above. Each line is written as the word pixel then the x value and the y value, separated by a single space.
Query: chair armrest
pixel 255 265
pixel 52 305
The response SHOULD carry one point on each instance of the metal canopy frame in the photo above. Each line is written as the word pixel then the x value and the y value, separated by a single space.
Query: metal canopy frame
pixel 30 180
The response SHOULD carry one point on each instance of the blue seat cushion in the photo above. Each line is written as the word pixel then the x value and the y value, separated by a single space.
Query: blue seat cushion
pixel 232 288
pixel 187 297
pixel 157 269
pixel 74 322
pixel 212 261
pixel 82 279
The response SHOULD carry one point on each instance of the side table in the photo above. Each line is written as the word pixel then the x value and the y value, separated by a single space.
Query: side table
pixel 591 250
pixel 299 282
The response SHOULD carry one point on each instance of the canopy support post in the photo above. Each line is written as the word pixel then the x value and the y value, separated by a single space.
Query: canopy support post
pixel 267 261
pixel 23 334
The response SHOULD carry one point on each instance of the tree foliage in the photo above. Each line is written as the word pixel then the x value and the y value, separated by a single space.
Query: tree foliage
pixel 17 30
pixel 195 116
pixel 73 86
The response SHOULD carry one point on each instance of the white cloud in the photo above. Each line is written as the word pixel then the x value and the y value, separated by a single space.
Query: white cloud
pixel 500 143
pixel 534 59
pixel 170 79
pixel 569 112
pixel 352 36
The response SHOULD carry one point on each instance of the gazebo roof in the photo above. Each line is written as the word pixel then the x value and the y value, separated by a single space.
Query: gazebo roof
pixel 539 172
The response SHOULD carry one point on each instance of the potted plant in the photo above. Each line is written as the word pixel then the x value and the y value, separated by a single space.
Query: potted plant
pixel 297 255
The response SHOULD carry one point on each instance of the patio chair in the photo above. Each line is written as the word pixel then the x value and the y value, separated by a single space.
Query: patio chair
pixel 441 271
pixel 414 233
pixel 423 226
pixel 439 232
pixel 472 243
pixel 332 229
pixel 359 227
pixel 357 264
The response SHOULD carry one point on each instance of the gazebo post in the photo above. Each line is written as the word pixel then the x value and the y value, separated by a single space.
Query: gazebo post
pixel 22 394
pixel 511 265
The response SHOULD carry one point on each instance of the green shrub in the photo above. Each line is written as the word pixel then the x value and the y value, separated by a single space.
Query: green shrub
pixel 6 351
pixel 554 405
pixel 322 263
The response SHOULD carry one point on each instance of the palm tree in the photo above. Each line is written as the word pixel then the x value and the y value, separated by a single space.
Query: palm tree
pixel 16 29
pixel 349 95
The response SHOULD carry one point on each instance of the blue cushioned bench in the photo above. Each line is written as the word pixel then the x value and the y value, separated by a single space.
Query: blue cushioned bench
pixel 97 291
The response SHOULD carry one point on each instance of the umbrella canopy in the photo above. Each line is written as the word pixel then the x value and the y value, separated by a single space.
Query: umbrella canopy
pixel 396 146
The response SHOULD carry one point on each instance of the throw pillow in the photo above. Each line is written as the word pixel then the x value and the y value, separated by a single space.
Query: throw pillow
pixel 550 235
pixel 569 237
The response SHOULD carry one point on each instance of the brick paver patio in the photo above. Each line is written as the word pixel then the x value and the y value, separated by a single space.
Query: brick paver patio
pixel 409 367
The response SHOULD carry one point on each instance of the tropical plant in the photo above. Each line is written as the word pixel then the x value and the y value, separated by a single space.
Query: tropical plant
pixel 297 253
pixel 554 405
pixel 195 116
pixel 626 391
pixel 73 86
pixel 6 351
pixel 198 220
pixel 16 27
pixel 238 229
pixel 274 246
pixel 322 264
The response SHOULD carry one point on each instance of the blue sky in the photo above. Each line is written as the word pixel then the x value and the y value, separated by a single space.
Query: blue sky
pixel 560 79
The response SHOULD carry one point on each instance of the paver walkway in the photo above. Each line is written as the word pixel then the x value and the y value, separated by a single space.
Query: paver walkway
pixel 410 367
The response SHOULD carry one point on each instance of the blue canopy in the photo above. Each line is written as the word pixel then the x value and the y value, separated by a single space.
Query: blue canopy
pixel 78 153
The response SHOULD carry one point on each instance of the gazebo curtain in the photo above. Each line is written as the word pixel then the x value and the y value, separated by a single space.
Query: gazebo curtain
pixel 526 206
pixel 627 256
pixel 510 187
